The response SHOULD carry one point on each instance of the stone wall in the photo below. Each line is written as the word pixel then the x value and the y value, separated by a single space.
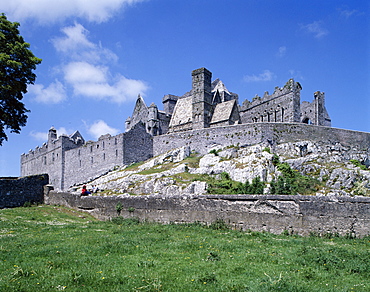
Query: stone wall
pixel 50 159
pixel 138 145
pixel 273 213
pixel 14 192
pixel 69 163
pixel 92 159
pixel 96 158
pixel 270 133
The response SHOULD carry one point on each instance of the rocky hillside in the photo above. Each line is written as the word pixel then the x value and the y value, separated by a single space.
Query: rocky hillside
pixel 291 168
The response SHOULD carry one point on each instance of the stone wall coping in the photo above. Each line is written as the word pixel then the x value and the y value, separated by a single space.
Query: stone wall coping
pixel 288 198
pixel 334 198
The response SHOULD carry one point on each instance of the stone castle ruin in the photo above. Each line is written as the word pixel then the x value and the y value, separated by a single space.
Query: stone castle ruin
pixel 210 104
pixel 208 115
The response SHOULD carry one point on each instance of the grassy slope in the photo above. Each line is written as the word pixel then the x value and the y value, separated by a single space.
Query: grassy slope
pixel 48 248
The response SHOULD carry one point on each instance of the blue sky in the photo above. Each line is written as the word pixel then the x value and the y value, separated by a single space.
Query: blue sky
pixel 98 57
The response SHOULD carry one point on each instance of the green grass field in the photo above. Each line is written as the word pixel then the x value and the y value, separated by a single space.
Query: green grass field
pixel 49 248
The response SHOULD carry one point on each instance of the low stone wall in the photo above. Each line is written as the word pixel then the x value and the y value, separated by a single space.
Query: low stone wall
pixel 273 213
pixel 14 192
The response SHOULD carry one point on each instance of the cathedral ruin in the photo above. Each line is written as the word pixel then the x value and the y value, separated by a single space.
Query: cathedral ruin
pixel 208 115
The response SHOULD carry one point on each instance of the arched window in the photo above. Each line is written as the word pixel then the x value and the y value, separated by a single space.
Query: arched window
pixel 306 121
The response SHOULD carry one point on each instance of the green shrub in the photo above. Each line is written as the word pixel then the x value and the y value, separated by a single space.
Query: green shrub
pixel 225 176
pixel 267 149
pixel 275 159
pixel 27 204
pixel 358 164
pixel 119 208
pixel 291 182
pixel 256 187
pixel 219 224
pixel 214 151
pixel 225 185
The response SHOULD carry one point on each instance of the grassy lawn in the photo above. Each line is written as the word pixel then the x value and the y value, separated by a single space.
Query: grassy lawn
pixel 49 248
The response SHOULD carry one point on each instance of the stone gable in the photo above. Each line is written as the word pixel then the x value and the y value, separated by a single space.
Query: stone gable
pixel 224 112
pixel 182 113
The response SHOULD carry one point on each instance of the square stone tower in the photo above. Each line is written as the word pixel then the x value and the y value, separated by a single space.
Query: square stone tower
pixel 202 98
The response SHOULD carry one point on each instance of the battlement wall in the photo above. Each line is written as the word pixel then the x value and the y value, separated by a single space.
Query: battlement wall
pixel 290 87
pixel 47 159
pixel 273 213
pixel 95 158
pixel 281 106
pixel 270 133
pixel 50 158
pixel 69 162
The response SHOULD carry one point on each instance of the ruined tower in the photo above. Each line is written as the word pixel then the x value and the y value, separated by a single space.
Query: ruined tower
pixel 169 103
pixel 52 135
pixel 319 101
pixel 153 122
pixel 202 98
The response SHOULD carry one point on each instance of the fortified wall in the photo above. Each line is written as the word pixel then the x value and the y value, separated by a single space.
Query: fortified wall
pixel 301 215
pixel 70 160
pixel 271 134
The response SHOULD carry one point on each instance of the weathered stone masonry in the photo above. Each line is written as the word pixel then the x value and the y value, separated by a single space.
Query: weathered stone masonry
pixel 202 141
pixel 273 213
pixel 70 160
pixel 206 116
pixel 14 192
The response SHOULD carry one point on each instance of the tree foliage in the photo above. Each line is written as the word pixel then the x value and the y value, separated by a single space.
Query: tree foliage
pixel 17 63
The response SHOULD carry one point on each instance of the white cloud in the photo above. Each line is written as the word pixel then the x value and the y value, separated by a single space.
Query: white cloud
pixel 86 71
pixel 75 38
pixel 47 11
pixel 54 93
pixel 346 13
pixel 83 72
pixel 267 75
pixel 90 76
pixel 281 52
pixel 64 131
pixel 296 74
pixel 316 28
pixel 39 136
pixel 92 82
pixel 76 46
pixel 101 128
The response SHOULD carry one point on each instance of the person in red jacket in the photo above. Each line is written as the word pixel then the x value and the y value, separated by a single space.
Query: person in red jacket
pixel 84 191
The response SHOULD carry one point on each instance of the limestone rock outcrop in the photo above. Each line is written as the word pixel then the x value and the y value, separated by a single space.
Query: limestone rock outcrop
pixel 340 171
